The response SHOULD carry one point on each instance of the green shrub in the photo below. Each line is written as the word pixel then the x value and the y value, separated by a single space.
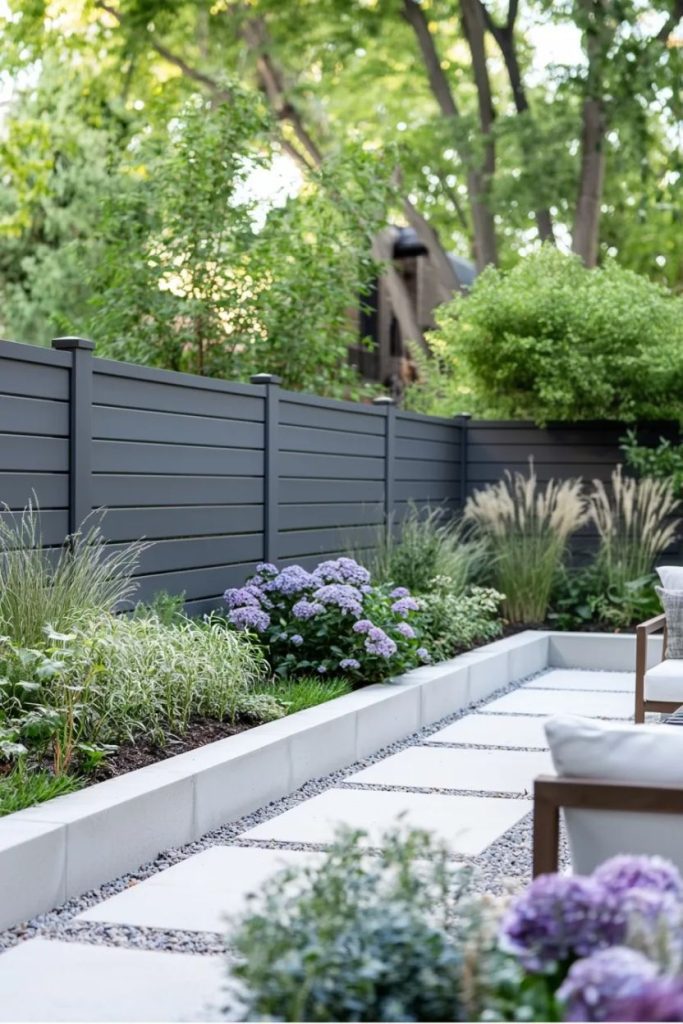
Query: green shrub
pixel 665 462
pixel 584 598
pixel 168 608
pixel 453 622
pixel 298 694
pixel 23 787
pixel 360 938
pixel 527 529
pixel 424 545
pixel 39 588
pixel 551 340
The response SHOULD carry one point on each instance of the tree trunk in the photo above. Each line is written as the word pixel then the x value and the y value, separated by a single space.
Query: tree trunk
pixel 586 231
pixel 475 31
pixel 444 272
pixel 482 219
pixel 401 303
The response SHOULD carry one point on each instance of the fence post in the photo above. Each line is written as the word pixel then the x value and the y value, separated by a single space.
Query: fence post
pixel 463 419
pixel 389 454
pixel 80 427
pixel 271 466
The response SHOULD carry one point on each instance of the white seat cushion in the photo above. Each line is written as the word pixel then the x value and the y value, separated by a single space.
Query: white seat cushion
pixel 665 681
pixel 584 748
pixel 671 576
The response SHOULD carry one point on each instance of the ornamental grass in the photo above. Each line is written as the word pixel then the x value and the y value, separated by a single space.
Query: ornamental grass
pixel 526 527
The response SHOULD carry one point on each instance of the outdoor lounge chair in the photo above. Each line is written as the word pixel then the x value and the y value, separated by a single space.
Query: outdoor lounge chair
pixel 660 687
pixel 621 790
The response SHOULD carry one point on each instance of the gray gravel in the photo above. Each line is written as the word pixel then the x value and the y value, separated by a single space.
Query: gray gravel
pixel 505 864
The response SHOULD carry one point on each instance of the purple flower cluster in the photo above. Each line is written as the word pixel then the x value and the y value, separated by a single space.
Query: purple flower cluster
pixel 345 597
pixel 424 655
pixel 404 606
pixel 238 597
pixel 349 664
pixel 405 630
pixel 305 609
pixel 377 642
pixel 655 1000
pixel 621 875
pixel 362 626
pixel 249 618
pixel 560 917
pixel 292 580
pixel 399 592
pixel 342 570
pixel 594 983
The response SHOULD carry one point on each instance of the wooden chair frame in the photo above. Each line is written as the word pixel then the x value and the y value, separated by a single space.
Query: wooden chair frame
pixel 643 631
pixel 551 794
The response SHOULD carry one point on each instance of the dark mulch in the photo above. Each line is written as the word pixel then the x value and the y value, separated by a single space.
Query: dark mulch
pixel 130 756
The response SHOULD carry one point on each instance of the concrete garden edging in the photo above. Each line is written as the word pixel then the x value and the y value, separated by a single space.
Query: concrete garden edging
pixel 73 843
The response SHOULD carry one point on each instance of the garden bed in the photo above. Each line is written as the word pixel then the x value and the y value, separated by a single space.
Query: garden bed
pixel 68 845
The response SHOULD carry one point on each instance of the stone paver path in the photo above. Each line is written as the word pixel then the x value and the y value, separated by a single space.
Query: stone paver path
pixel 148 947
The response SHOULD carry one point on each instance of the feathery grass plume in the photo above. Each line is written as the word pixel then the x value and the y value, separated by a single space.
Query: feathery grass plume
pixel 635 522
pixel 58 586
pixel 526 528
pixel 425 544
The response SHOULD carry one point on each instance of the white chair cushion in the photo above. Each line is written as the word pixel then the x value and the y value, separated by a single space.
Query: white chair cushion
pixel 671 576
pixel 584 748
pixel 665 681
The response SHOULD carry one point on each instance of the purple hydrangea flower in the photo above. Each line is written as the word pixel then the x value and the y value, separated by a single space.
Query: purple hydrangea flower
pixel 239 597
pixel 362 626
pixel 305 609
pixel 297 640
pixel 424 655
pixel 399 592
pixel 349 664
pixel 405 630
pixel 405 605
pixel 558 917
pixel 592 985
pixel 292 580
pixel 342 570
pixel 345 597
pixel 658 999
pixel 322 670
pixel 377 642
pixel 249 618
pixel 620 875
pixel 267 567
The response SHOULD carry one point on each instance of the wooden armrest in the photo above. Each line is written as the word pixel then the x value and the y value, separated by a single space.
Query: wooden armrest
pixel 552 793
pixel 652 625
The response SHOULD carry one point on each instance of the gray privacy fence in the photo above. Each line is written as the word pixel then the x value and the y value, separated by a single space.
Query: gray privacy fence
pixel 221 476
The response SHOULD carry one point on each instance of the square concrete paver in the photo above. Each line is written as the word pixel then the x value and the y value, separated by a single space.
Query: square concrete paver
pixel 506 771
pixel 564 702
pixel 574 679
pixel 494 731
pixel 203 893
pixel 467 824
pixel 69 981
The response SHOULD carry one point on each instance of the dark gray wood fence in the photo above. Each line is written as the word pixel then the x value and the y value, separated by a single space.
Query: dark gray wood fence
pixel 221 476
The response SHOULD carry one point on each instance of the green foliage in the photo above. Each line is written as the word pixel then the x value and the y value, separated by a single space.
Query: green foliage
pixel 309 691
pixel 584 598
pixel 22 787
pixel 665 462
pixel 550 340
pixel 360 938
pixel 424 544
pixel 453 621
pixel 39 590
pixel 188 278
pixel 527 529
pixel 168 608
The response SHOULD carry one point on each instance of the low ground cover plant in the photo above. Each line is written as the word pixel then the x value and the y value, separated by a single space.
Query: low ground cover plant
pixel 330 621
pixel 454 622
pixel 402 934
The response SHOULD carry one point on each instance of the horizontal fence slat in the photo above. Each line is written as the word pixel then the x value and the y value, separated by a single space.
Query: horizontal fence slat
pixel 50 489
pixel 187 460
pixel 20 452
pixel 294 543
pixel 426 431
pixel 161 522
pixel 34 416
pixel 155 396
pixel 128 491
pixel 110 423
pixel 321 491
pixel 435 451
pixel 33 380
pixel 33 354
pixel 300 517
pixel 330 466
pixel 329 442
pixel 194 583
pixel 430 491
pixel 198 552
pixel 364 421
pixel 414 469
pixel 54 524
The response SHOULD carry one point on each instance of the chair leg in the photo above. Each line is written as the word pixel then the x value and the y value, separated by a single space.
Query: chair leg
pixel 641 666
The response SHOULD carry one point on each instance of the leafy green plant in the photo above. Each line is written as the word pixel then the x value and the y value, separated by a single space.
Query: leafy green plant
pixel 527 528
pixel 551 340
pixel 23 787
pixel 329 621
pixel 635 523
pixel 359 938
pixel 167 608
pixel 582 598
pixel 40 587
pixel 426 543
pixel 309 691
pixel 453 621
pixel 665 462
